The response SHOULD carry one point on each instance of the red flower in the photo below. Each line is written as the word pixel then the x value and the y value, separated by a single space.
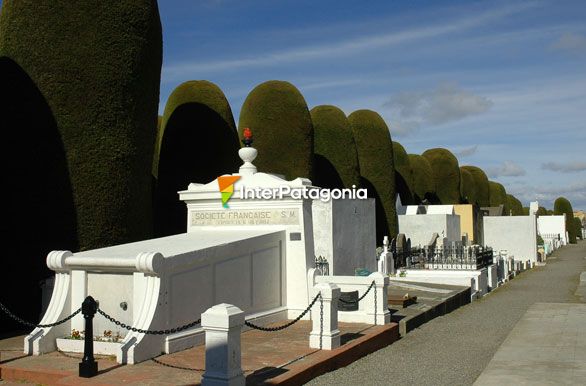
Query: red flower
pixel 247 133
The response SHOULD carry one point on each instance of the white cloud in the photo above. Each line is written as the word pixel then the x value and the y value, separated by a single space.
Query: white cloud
pixel 507 169
pixel 570 42
pixel 466 151
pixel 569 167
pixel 446 103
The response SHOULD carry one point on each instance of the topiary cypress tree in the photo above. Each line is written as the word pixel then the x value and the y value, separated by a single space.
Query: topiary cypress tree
pixel 82 92
pixel 498 196
pixel 197 113
pixel 278 116
pixel 403 174
pixel 423 180
pixel 335 162
pixel 577 227
pixel 447 174
pixel 514 205
pixel 481 185
pixel 101 78
pixel 562 206
pixel 375 157
pixel 467 187
pixel 541 211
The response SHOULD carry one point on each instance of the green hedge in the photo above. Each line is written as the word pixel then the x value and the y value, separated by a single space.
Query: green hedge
pixel 562 206
pixel 98 65
pixel 403 174
pixel 375 157
pixel 467 187
pixel 197 116
pixel 481 185
pixel 577 227
pixel 498 196
pixel 515 205
pixel 80 84
pixel 335 162
pixel 447 174
pixel 423 180
pixel 278 116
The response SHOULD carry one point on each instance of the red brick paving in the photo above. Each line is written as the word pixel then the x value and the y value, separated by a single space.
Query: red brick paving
pixel 282 357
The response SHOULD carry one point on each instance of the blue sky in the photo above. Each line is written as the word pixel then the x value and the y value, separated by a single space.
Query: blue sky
pixel 501 84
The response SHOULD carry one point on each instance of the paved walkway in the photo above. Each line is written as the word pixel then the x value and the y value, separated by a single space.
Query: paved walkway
pixel 546 347
pixel 454 349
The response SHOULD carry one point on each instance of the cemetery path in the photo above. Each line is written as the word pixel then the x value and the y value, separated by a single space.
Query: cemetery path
pixel 455 348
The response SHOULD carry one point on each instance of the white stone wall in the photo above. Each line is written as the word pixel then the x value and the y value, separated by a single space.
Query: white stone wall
pixel 420 228
pixel 515 234
pixel 344 232
pixel 552 225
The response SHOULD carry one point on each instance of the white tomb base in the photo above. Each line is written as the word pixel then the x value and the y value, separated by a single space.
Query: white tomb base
pixel 168 287
pixel 477 280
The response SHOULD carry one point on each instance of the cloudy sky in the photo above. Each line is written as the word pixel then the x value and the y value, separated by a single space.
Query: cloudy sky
pixel 501 84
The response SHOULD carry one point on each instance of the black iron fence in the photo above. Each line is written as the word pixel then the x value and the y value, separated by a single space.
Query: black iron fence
pixel 447 257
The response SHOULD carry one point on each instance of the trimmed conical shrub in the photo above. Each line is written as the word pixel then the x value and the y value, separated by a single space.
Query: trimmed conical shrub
pixel 87 74
pixel 101 78
pixel 446 172
pixel 197 114
pixel 514 205
pixel 525 211
pixel 403 174
pixel 577 227
pixel 335 162
pixel 278 116
pixel 481 185
pixel 467 187
pixel 498 196
pixel 423 180
pixel 375 157
pixel 562 206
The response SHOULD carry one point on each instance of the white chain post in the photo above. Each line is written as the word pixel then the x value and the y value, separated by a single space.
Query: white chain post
pixel 327 333
pixel 223 325
pixel 377 301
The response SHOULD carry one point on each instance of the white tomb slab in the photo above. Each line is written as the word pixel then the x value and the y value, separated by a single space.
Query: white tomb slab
pixel 516 234
pixel 440 209
pixel 550 227
pixel 420 228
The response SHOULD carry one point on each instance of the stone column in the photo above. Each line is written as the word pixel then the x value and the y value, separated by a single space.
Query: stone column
pixel 377 306
pixel 223 325
pixel 330 335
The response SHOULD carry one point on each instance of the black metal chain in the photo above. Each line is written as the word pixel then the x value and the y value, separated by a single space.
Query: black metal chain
pixel 321 321
pixel 270 329
pixel 176 367
pixel 360 298
pixel 374 306
pixel 151 332
pixel 29 324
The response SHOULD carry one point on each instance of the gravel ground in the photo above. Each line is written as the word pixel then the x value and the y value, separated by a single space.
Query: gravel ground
pixel 455 348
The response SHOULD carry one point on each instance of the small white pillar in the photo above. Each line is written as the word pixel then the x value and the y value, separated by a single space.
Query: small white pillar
pixel 377 299
pixel 330 335
pixel 222 324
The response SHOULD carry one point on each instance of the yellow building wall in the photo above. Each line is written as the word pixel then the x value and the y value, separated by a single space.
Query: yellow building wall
pixel 466 214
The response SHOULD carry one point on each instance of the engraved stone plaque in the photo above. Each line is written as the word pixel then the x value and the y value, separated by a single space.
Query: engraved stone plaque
pixel 245 217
